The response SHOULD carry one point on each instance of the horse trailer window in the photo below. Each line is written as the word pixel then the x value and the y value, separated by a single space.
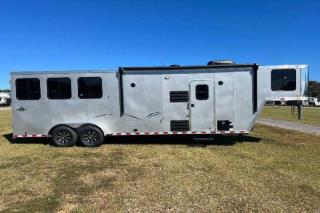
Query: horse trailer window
pixel 28 89
pixel 284 80
pixel 59 88
pixel 202 92
pixel 90 87
pixel 179 96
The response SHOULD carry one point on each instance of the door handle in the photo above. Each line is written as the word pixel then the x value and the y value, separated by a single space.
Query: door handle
pixel 189 105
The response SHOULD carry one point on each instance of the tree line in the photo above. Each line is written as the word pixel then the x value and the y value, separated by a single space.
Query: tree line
pixel 314 89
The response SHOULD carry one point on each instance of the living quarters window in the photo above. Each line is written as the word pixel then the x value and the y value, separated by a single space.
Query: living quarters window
pixel 179 96
pixel 59 88
pixel 283 79
pixel 202 92
pixel 28 89
pixel 90 87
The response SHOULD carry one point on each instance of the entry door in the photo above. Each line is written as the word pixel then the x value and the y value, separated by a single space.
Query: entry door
pixel 201 105
pixel 30 112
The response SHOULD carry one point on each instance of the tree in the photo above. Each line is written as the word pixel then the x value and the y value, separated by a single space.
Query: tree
pixel 314 89
pixel 4 90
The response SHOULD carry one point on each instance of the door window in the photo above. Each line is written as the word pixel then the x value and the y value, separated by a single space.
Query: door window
pixel 202 92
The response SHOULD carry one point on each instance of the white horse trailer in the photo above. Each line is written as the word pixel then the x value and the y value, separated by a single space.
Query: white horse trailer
pixel 4 98
pixel 85 106
pixel 314 101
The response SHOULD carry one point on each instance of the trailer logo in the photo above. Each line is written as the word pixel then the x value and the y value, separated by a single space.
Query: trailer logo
pixel 21 109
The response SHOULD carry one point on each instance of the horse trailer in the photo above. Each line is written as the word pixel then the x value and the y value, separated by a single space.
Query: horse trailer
pixel 5 99
pixel 85 106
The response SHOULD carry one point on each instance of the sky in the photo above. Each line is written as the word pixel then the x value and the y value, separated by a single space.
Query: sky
pixel 101 34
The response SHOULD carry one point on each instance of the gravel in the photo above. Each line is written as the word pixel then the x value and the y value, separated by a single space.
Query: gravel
pixel 305 128
pixel 5 108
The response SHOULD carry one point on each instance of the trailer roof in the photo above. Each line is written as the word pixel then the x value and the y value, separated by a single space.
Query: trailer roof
pixel 193 67
pixel 126 69
pixel 60 72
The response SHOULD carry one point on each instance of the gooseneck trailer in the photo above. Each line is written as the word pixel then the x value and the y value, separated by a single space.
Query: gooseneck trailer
pixel 85 106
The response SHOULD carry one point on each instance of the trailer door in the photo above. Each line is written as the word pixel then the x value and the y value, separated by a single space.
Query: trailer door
pixel 30 113
pixel 201 105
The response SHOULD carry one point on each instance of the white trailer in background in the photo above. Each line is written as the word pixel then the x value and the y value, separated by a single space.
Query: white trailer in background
pixel 314 101
pixel 218 98
pixel 5 99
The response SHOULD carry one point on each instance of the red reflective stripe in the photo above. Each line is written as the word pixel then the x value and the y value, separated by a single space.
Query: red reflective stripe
pixel 30 136
pixel 158 133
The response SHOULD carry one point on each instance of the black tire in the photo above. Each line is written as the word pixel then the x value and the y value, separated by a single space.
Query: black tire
pixel 90 136
pixel 64 136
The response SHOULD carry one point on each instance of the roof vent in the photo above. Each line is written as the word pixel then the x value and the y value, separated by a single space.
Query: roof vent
pixel 220 62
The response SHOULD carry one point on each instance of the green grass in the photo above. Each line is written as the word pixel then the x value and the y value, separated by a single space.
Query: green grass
pixel 311 115
pixel 272 170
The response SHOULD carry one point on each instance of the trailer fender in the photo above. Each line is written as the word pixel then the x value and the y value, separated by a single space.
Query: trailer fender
pixel 72 126
pixel 89 124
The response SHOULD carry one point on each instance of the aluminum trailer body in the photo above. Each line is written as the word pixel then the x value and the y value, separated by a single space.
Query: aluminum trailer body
pixel 212 99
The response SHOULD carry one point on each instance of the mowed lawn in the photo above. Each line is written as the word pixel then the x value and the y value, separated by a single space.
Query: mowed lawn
pixel 270 170
pixel 311 115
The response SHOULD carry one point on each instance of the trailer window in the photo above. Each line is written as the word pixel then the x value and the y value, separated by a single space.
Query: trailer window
pixel 202 92
pixel 179 96
pixel 89 87
pixel 28 89
pixel 59 88
pixel 284 80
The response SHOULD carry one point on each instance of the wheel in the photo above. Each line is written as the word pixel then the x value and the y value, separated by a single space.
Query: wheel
pixel 90 136
pixel 64 136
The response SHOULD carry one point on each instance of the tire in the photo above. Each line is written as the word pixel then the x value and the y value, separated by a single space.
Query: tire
pixel 64 136
pixel 90 136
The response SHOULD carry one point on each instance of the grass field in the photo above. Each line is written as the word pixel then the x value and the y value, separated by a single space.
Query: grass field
pixel 311 115
pixel 270 170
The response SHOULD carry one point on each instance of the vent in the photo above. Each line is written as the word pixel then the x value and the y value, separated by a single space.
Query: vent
pixel 179 125
pixel 224 125
pixel 220 62
pixel 179 96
